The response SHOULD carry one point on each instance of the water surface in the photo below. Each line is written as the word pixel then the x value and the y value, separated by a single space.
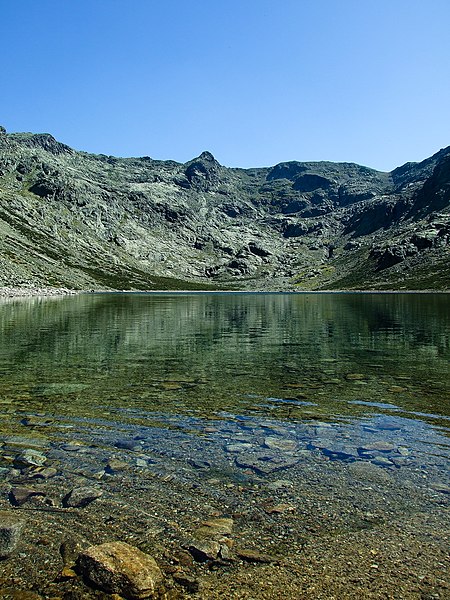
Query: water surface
pixel 312 419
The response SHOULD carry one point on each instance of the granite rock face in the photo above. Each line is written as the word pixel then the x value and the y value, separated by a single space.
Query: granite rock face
pixel 78 220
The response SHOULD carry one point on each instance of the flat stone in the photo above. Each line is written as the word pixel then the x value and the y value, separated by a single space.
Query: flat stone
pixel 30 458
pixel 43 473
pixel 367 471
pixel 279 509
pixel 115 466
pixel 10 531
pixel 279 443
pixel 73 447
pixel 81 497
pixel 264 463
pixel 128 444
pixel 35 422
pixel 204 549
pixel 382 461
pixel 254 556
pixel 239 447
pixel 380 446
pixel 215 527
pixel 280 484
pixel 440 487
pixel 118 568
pixel 187 581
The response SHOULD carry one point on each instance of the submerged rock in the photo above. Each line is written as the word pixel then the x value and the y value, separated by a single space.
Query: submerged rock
pixel 265 463
pixel 211 541
pixel 21 494
pixel 282 444
pixel 380 446
pixel 81 497
pixel 118 568
pixel 30 458
pixel 10 531
pixel 204 549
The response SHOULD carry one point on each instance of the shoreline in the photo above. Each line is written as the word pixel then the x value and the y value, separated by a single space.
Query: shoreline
pixel 34 291
pixel 48 292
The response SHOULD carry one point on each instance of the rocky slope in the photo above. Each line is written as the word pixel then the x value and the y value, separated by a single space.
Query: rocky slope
pixel 73 219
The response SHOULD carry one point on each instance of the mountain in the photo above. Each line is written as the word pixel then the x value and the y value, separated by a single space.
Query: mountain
pixel 80 220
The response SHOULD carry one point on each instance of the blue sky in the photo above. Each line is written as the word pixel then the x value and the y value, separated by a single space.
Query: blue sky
pixel 255 82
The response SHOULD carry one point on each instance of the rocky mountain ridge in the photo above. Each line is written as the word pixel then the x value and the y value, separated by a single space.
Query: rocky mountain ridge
pixel 74 219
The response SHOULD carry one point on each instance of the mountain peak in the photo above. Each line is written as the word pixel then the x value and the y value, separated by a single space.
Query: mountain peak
pixel 205 155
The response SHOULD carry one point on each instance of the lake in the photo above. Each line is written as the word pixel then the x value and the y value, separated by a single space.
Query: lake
pixel 316 424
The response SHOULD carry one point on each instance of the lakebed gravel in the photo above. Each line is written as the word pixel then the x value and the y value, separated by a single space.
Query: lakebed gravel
pixel 228 508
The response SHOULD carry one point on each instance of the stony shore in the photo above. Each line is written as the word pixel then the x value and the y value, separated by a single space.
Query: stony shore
pixel 22 292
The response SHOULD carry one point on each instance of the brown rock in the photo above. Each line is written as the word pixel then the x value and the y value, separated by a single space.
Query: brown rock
pixel 119 568
pixel 21 494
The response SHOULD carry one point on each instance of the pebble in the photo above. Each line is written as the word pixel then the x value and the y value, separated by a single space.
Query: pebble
pixel 119 568
pixel 10 531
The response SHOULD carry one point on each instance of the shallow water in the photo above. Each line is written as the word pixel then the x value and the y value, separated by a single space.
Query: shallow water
pixel 342 399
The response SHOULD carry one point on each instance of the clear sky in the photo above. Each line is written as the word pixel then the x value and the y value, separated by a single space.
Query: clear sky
pixel 255 82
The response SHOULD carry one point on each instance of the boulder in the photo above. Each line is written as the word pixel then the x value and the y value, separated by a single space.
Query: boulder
pixel 118 568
